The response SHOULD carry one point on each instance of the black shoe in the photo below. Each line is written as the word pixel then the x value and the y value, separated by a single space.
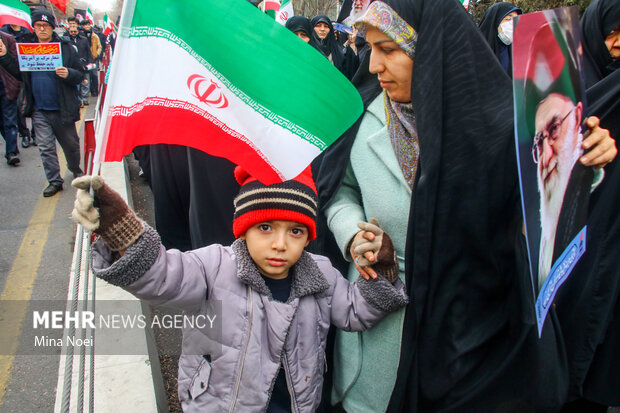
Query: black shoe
pixel 77 174
pixel 12 159
pixel 86 103
pixel 33 142
pixel 51 190
pixel 25 142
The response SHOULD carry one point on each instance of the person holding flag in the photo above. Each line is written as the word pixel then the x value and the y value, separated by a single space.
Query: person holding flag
pixel 278 300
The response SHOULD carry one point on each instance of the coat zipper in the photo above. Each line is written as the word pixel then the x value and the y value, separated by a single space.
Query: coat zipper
pixel 289 385
pixel 245 349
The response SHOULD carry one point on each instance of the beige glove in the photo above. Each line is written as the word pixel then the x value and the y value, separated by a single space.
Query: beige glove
pixel 385 262
pixel 107 214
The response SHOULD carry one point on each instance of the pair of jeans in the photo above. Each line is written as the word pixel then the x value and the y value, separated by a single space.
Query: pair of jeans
pixel 49 127
pixel 8 122
pixel 84 88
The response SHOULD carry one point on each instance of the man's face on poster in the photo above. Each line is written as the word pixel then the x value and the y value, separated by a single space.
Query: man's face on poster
pixel 557 144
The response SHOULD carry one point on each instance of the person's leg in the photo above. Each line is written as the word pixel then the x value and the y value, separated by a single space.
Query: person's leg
pixel 46 142
pixel 69 141
pixel 84 89
pixel 94 82
pixel 8 107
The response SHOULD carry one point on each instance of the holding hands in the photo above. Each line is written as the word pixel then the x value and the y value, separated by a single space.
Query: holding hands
pixel 372 251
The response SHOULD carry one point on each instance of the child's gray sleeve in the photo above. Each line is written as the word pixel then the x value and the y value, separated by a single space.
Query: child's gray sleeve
pixel 169 278
pixel 360 305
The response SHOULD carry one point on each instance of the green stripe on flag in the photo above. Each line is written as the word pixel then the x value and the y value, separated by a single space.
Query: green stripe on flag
pixel 16 4
pixel 260 57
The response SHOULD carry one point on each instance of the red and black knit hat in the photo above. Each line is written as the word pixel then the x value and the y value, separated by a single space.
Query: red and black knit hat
pixel 295 200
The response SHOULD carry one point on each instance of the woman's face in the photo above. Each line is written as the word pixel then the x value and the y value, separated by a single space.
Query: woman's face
pixel 303 36
pixel 391 64
pixel 612 41
pixel 321 29
pixel 506 18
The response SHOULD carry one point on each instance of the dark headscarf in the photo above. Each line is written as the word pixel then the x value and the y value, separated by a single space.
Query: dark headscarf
pixel 599 19
pixel 488 26
pixel 468 336
pixel 299 24
pixel 329 45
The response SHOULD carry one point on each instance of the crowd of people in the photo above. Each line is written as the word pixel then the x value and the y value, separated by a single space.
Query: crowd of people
pixel 417 208
pixel 51 99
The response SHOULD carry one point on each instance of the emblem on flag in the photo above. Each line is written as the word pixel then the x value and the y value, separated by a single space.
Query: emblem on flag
pixel 194 83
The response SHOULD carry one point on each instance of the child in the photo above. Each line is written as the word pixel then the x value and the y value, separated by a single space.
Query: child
pixel 277 300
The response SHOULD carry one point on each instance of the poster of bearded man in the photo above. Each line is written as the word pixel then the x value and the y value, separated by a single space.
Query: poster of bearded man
pixel 550 103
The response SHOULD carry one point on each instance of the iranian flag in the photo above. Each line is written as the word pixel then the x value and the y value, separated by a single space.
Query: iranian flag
pixel 15 12
pixel 465 4
pixel 271 7
pixel 61 4
pixel 89 16
pixel 251 93
pixel 108 26
pixel 285 12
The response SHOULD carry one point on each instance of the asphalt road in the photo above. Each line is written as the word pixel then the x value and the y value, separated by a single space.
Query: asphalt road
pixel 36 247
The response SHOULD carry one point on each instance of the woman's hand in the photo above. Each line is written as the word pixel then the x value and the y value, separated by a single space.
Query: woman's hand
pixel 603 145
pixel 365 270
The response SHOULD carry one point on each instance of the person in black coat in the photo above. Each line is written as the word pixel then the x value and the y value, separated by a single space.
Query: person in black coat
pixel 81 43
pixel 52 102
pixel 497 28
pixel 27 139
pixel 324 40
pixel 469 342
pixel 300 25
pixel 588 304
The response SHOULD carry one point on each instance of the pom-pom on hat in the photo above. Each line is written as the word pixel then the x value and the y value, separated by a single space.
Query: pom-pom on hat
pixel 294 200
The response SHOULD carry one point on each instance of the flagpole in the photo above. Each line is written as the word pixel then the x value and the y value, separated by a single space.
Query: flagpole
pixel 103 129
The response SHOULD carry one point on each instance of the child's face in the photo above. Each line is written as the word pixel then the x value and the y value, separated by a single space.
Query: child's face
pixel 275 246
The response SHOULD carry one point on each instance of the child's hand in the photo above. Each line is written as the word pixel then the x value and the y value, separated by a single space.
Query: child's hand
pixel 106 213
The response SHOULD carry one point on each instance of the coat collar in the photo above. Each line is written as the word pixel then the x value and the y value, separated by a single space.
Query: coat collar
pixel 380 143
pixel 307 277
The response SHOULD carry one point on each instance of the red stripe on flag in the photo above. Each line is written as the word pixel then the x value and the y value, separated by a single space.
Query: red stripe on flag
pixel 156 124
pixel 272 5
pixel 8 19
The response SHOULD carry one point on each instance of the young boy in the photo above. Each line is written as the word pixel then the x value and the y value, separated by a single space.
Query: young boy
pixel 277 300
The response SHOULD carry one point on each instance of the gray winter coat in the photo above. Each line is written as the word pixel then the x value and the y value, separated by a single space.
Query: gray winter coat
pixel 236 372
